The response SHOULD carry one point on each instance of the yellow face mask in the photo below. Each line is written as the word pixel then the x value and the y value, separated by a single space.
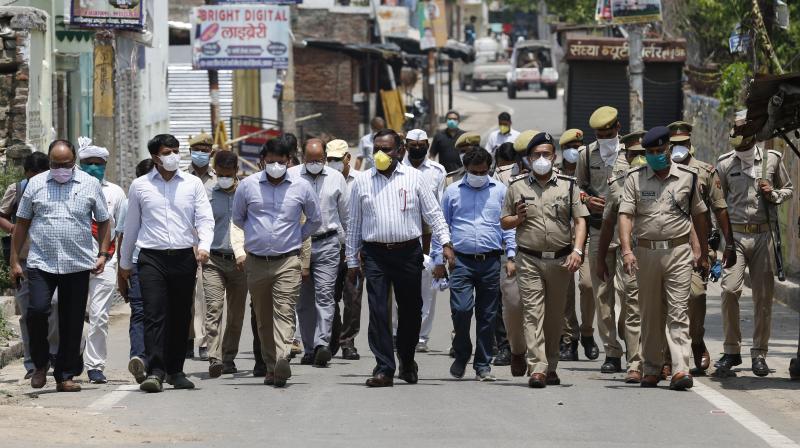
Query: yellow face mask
pixel 382 161
pixel 638 161
pixel 504 129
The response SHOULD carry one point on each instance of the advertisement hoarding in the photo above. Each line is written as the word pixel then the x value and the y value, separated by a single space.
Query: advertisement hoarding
pixel 121 14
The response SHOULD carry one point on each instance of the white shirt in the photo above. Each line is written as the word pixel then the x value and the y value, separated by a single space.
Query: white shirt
pixel 167 215
pixel 334 200
pixel 365 148
pixel 115 202
pixel 433 173
pixel 496 139
pixel 390 210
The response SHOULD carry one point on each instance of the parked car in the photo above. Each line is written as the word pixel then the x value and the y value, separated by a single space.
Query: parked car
pixel 484 71
pixel 532 69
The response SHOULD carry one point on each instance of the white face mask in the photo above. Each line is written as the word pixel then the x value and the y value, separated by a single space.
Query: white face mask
pixel 570 155
pixel 608 148
pixel 477 181
pixel 542 166
pixel 170 162
pixel 275 170
pixel 225 182
pixel 337 165
pixel 314 167
pixel 748 157
pixel 679 153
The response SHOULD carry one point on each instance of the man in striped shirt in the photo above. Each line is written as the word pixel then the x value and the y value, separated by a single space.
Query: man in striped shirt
pixel 387 205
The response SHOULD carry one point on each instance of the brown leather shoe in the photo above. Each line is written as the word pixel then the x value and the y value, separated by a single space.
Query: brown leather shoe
pixel 650 381
pixel 681 381
pixel 633 377
pixel 538 381
pixel 518 365
pixel 380 380
pixel 702 360
pixel 269 379
pixel 666 371
pixel 68 386
pixel 705 360
pixel 553 379
pixel 39 378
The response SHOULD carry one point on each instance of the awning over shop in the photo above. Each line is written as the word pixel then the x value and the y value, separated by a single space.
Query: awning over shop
pixel 386 51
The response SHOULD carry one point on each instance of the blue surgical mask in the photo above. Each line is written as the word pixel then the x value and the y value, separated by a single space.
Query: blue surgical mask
pixel 200 159
pixel 96 171
pixel 658 162
pixel 452 124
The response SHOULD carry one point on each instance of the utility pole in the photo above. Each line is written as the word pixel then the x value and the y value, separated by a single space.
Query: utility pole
pixel 636 76
pixel 213 93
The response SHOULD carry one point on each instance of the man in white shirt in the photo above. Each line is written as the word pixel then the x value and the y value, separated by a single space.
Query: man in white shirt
pixel 504 133
pixel 316 307
pixel 365 144
pixel 101 286
pixel 168 215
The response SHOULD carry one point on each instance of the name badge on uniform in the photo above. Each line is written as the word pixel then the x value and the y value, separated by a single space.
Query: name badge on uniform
pixel 648 195
pixel 595 167
pixel 735 174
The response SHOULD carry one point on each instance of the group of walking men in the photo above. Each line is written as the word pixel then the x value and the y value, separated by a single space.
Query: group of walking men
pixel 506 230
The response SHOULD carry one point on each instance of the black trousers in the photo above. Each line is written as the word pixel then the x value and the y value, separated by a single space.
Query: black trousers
pixel 347 322
pixel 167 279
pixel 73 291
pixel 402 268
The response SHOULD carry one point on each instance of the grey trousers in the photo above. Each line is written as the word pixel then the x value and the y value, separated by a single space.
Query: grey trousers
pixel 316 306
pixel 23 297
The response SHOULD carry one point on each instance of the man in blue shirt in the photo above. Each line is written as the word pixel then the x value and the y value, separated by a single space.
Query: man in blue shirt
pixel 471 208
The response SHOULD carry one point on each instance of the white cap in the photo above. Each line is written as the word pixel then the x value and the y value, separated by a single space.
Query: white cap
pixel 416 135
pixel 87 150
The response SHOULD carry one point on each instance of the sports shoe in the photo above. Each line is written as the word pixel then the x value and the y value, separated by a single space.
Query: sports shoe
pixel 96 376
pixel 137 369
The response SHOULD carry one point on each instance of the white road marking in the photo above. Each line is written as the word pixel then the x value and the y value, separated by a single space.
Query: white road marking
pixel 744 417
pixel 108 400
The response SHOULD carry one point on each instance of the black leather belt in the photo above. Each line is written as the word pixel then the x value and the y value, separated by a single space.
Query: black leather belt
pixel 168 252
pixel 324 236
pixel 291 253
pixel 223 255
pixel 546 255
pixel 393 246
pixel 482 256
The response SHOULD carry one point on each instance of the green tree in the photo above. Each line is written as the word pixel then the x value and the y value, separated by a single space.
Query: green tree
pixel 569 11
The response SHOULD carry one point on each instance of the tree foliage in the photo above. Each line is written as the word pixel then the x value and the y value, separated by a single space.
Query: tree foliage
pixel 569 11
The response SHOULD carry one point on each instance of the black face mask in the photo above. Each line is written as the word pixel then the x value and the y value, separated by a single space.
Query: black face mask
pixel 417 153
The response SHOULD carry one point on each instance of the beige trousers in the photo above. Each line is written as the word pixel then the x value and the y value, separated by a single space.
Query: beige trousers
pixel 512 311
pixel 664 281
pixel 755 252
pixel 543 290
pixel 222 283
pixel 630 315
pixel 605 299
pixel 197 330
pixel 572 330
pixel 274 288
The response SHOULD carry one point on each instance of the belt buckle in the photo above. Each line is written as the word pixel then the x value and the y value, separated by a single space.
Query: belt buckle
pixel 752 228
pixel 480 257
pixel 390 246
pixel 660 245
pixel 548 255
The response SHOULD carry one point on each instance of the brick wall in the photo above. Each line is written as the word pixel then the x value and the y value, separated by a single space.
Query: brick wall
pixel 323 24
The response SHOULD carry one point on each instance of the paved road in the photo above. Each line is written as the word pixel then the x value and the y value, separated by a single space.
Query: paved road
pixel 332 406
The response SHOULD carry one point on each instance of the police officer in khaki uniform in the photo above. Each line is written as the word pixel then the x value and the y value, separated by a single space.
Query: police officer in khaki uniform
pixel 570 142
pixel 543 207
pixel 751 189
pixel 664 202
pixel 464 143
pixel 627 289
pixel 597 163
pixel 711 193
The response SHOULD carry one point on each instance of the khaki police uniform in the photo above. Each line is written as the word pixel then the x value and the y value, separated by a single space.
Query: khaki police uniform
pixel 543 241
pixel 625 285
pixel 593 174
pixel 661 212
pixel 753 243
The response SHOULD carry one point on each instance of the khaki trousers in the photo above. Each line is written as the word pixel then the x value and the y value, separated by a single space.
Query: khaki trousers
pixel 543 289
pixel 630 315
pixel 664 281
pixel 572 331
pixel 512 311
pixel 755 252
pixel 197 330
pixel 605 298
pixel 274 288
pixel 222 283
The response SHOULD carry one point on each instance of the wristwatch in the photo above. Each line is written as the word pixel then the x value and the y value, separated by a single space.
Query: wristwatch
pixel 450 245
pixel 578 251
pixel 104 254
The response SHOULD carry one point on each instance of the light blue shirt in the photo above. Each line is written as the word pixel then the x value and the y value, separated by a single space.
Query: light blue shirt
pixel 270 214
pixel 61 221
pixel 221 206
pixel 473 215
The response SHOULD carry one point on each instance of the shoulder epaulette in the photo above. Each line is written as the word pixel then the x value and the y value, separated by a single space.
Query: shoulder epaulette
pixel 725 156
pixel 614 179
pixel 516 178
pixel 689 169
pixel 777 153
pixel 633 170
pixel 565 177
pixel 454 172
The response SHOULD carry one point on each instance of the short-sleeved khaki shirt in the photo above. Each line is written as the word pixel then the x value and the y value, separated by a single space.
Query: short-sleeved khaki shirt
pixel 710 190
pixel 616 186
pixel 662 209
pixel 740 186
pixel 547 227
pixel 593 173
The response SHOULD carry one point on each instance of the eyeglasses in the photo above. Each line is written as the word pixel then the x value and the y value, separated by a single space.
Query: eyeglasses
pixel 383 148
pixel 54 165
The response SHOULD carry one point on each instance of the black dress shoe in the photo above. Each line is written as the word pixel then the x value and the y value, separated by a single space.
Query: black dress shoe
pixel 590 348
pixel 203 353
pixel 322 355
pixel 563 350
pixel 380 380
pixel 503 357
pixel 350 353
pixel 760 367
pixel 260 370
pixel 458 369
pixel 727 362
pixel 569 351
pixel 409 373
pixel 612 365
pixel 307 359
